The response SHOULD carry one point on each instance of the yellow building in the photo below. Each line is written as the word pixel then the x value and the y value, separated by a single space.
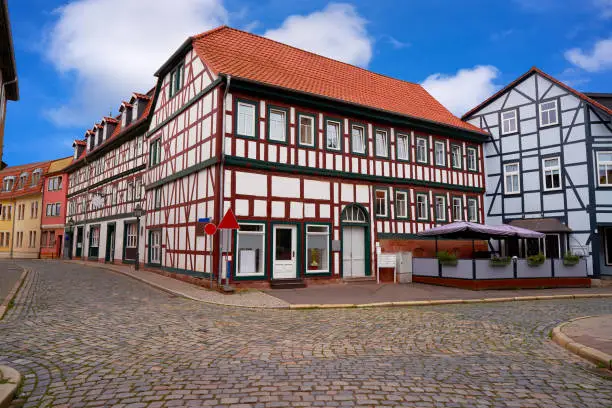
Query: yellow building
pixel 20 215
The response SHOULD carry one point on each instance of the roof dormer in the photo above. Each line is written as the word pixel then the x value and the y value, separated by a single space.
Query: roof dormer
pixel 108 125
pixel 79 146
pixel 139 103
pixel 126 114
pixel 99 134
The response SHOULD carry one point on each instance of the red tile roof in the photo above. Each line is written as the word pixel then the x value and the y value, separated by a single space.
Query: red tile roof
pixel 17 171
pixel 520 79
pixel 240 54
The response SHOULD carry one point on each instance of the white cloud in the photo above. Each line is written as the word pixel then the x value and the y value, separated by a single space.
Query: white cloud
pixel 113 47
pixel 464 90
pixel 337 32
pixel 597 59
pixel 605 7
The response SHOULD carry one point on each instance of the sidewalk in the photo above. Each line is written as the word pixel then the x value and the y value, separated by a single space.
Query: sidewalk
pixel 589 337
pixel 10 280
pixel 347 295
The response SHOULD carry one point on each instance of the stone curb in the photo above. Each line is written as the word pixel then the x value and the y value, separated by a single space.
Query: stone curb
pixel 588 353
pixel 12 293
pixel 7 391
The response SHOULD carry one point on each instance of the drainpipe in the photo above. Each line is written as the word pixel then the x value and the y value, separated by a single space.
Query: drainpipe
pixel 13 215
pixel 221 174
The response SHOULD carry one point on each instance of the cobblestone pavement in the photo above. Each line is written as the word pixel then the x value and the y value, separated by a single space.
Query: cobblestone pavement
pixel 9 276
pixel 85 336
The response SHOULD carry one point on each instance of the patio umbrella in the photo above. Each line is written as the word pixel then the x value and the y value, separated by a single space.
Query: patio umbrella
pixel 471 230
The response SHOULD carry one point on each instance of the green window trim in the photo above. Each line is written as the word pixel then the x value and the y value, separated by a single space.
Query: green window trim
pixel 453 198
pixel 387 205
pixel 407 193
pixel 435 162
pixel 255 105
pixel 453 146
pixel 315 131
pixel 435 207
pixel 416 151
pixel 155 152
pixel 340 123
pixel 427 206
pixel 149 247
pixel 397 136
pixel 269 109
pixel 387 133
pixel 475 201
pixel 177 79
pixel 467 161
pixel 266 252
pixel 329 250
pixel 365 138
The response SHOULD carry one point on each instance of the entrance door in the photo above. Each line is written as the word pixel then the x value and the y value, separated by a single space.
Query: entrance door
pixel 58 245
pixel 353 252
pixel 553 246
pixel 284 265
pixel 79 242
pixel 110 243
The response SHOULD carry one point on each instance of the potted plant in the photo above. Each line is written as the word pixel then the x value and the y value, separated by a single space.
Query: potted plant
pixel 536 260
pixel 447 259
pixel 499 261
pixel 570 259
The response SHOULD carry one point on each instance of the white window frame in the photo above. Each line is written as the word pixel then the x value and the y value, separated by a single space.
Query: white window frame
pixel 95 237
pixel 475 203
pixel 131 235
pixel 551 170
pixel 362 137
pixel 607 165
pixel 459 158
pixel 155 247
pixel 543 112
pixel 338 126
pixel 157 197
pixel 386 202
pixel 242 117
pixel 513 120
pixel 406 144
pixel 457 209
pixel 262 257
pixel 516 174
pixel 155 152
pixel 440 215
pixel 383 137
pixel 311 133
pixel 277 125
pixel 327 235
pixel 425 205
pixel 422 147
pixel 436 151
pixel 475 157
pixel 404 207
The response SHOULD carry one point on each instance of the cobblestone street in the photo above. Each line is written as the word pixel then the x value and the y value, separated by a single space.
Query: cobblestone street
pixel 85 336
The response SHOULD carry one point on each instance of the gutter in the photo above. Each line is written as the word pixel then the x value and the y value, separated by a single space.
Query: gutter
pixel 221 174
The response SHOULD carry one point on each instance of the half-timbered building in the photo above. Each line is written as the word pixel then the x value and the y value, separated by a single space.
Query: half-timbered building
pixel 105 186
pixel 322 162
pixel 549 167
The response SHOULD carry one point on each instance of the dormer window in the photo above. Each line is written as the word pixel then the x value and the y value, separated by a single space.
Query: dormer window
pixel 135 111
pixel 76 152
pixel 8 183
pixel 99 136
pixel 126 115
pixel 176 79
pixel 36 177
pixel 22 180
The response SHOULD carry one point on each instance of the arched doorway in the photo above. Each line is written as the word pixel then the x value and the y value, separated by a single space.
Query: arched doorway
pixel 355 231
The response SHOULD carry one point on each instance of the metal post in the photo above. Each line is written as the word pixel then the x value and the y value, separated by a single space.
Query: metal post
pixel 136 266
pixel 473 260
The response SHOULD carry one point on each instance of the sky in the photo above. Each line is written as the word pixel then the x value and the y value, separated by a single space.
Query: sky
pixel 77 60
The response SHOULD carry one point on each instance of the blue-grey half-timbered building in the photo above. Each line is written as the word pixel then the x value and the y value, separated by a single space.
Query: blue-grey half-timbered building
pixel 549 167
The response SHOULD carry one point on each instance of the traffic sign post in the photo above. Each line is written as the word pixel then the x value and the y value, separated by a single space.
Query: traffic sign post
pixel 228 222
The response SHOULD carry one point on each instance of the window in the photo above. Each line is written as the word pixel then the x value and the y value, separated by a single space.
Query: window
pixel 250 244
pixel 401 204
pixel 382 143
pixel 22 180
pixel 155 152
pixel 7 184
pixel 552 173
pixel 2 239
pixel 421 150
pixel 440 153
pixel 358 139
pixel 277 125
pixel 7 239
pixel 607 244
pixel 157 197
pixel 135 110
pixel 32 240
pixel 472 162
pixel 421 207
pixel 604 168
pixel 333 133
pixel 95 237
pixel 317 249
pixel 8 213
pixel 457 209
pixel 381 203
pixel 131 235
pixel 36 177
pixel 34 210
pixel 353 214
pixel 440 208
pixel 246 119
pixel 306 136
pixel 472 207
pixel 176 79
pixel 508 122
pixel 155 247
pixel 403 147
pixel 55 183
pixel 511 178
pixel 548 113
pixel 456 156
pixel 53 210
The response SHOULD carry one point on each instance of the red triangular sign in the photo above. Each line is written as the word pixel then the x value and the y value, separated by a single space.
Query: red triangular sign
pixel 228 221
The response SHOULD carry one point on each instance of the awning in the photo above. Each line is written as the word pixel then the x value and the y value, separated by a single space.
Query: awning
pixel 541 224
pixel 470 230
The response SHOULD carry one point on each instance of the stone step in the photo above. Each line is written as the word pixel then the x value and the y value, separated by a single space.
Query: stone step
pixel 287 284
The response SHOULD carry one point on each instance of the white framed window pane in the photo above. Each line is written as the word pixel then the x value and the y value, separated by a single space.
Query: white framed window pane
pixel 381 143
pixel 278 128
pixel 401 204
pixel 357 133
pixel 457 210
pixel 421 152
pixel 402 147
pixel 472 210
pixel 456 156
pixel 440 153
pixel 306 130
pixel 381 203
pixel 440 208
pixel 471 159
pixel 509 122
pixel 250 247
pixel 246 119
pixel 333 135
pixel 548 113
pixel 317 249
pixel 421 206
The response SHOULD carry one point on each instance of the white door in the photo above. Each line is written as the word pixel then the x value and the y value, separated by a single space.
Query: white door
pixel 353 252
pixel 284 251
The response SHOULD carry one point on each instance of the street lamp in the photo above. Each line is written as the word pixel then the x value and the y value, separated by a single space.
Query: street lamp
pixel 138 212
pixel 71 229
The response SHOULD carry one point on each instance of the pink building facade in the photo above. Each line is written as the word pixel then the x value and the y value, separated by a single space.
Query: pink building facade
pixel 55 188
